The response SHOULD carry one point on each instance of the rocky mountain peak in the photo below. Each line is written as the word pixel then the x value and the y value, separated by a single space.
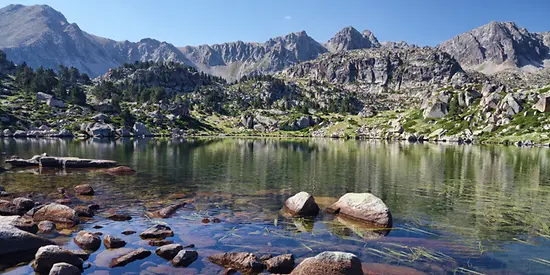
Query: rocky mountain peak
pixel 498 46
pixel 351 39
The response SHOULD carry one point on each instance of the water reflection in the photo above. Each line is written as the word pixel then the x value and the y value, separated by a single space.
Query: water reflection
pixel 490 199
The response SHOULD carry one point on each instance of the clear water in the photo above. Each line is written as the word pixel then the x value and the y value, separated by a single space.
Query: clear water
pixel 457 209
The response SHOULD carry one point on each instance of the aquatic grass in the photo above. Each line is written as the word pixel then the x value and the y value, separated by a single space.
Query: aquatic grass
pixel 540 261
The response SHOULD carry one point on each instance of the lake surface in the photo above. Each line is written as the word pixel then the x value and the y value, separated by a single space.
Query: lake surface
pixel 456 209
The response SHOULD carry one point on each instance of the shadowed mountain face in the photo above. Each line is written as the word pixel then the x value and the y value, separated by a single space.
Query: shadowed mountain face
pixel 498 46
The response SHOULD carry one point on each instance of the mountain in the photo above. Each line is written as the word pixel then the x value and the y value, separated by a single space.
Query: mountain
pixel 236 59
pixel 498 46
pixel 351 39
pixel 42 36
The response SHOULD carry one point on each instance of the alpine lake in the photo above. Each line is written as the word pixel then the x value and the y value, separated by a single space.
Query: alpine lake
pixel 457 209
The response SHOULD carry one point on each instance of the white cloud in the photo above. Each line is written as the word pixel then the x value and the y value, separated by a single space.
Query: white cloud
pixel 288 17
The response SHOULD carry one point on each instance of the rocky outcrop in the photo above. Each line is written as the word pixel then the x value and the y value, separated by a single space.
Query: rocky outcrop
pixel 301 204
pixel 350 39
pixel 335 263
pixel 498 46
pixel 381 69
pixel 363 207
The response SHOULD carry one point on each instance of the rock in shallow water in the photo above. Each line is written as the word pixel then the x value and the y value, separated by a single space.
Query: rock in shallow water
pixel 120 170
pixel 46 227
pixel 113 242
pixel 169 251
pixel 185 258
pixel 283 264
pixel 87 241
pixel 84 190
pixel 62 215
pixel 17 245
pixel 330 262
pixel 302 204
pixel 119 217
pixel 364 207
pixel 64 269
pixel 138 254
pixel 244 262
pixel 157 231
pixel 168 211
pixel 48 256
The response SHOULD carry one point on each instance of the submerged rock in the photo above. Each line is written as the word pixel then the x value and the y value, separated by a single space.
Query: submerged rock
pixel 48 256
pixel 87 241
pixel 62 215
pixel 283 264
pixel 119 217
pixel 84 190
pixel 364 207
pixel 64 269
pixel 158 231
pixel 120 170
pixel 329 262
pixel 159 242
pixel 302 204
pixel 169 251
pixel 168 211
pixel 113 242
pixel 138 254
pixel 184 258
pixel 244 262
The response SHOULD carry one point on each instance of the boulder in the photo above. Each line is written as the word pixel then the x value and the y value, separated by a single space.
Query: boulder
pixel 247 120
pixel 138 254
pixel 64 133
pixel 40 96
pixel 283 264
pixel 113 242
pixel 363 207
pixel 7 133
pixel 84 190
pixel 184 258
pixel 46 227
pixel 100 130
pixel 8 209
pixel 55 103
pixel 157 231
pixel 20 134
pixel 64 269
pixel 25 224
pixel 17 246
pixel 48 256
pixel 303 122
pixel 62 215
pixel 159 242
pixel 543 105
pixel 244 262
pixel 101 117
pixel 140 130
pixel 123 133
pixel 169 251
pixel 87 241
pixel 436 110
pixel 330 262
pixel 84 211
pixel 302 204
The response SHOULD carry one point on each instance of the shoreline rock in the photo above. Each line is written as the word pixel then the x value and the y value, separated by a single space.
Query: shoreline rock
pixel 363 207
pixel 302 205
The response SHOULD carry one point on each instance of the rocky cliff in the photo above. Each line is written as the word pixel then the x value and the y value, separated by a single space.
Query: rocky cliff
pixel 498 46
pixel 382 68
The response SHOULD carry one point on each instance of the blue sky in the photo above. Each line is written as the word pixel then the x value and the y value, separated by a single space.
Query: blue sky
pixel 183 22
